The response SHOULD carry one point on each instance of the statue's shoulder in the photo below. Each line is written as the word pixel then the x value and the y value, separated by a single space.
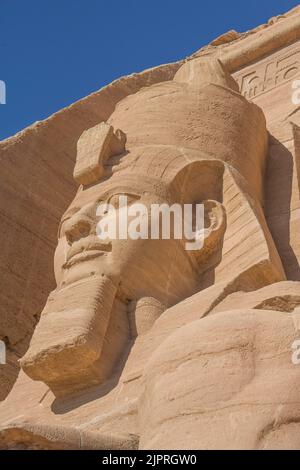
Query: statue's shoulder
pixel 281 296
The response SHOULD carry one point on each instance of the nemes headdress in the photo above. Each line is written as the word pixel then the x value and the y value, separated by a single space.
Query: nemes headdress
pixel 198 136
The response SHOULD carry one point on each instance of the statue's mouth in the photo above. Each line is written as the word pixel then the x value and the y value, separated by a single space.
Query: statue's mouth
pixel 85 256
pixel 85 250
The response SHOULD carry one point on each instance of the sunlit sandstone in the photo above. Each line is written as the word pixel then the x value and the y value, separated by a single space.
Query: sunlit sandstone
pixel 141 343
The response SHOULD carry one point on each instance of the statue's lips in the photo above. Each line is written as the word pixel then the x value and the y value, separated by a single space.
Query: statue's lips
pixel 84 250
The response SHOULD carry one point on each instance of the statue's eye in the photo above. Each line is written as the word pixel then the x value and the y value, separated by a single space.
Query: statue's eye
pixel 132 198
pixel 121 200
pixel 116 201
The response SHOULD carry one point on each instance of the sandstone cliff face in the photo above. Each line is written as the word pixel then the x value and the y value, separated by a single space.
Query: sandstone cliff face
pixel 36 182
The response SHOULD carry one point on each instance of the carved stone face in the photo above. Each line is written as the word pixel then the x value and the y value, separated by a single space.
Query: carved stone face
pixel 142 267
pixel 85 325
pixel 105 288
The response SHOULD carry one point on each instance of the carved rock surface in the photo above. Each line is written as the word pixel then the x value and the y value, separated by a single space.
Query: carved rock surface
pixel 131 344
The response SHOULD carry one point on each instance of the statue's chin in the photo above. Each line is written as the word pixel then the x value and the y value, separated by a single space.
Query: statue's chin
pixel 67 351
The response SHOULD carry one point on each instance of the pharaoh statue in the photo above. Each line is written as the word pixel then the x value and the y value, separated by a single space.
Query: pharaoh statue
pixel 144 344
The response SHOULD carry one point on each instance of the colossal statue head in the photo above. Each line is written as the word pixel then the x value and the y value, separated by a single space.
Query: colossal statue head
pixel 192 140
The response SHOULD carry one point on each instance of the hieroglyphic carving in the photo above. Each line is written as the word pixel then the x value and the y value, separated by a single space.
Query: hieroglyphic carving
pixel 267 74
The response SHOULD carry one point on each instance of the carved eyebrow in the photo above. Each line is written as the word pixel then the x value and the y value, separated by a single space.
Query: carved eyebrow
pixel 126 193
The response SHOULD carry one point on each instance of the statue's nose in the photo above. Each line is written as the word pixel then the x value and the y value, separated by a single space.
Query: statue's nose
pixel 78 226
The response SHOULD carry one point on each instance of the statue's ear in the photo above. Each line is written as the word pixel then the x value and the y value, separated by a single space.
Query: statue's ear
pixel 210 238
pixel 214 223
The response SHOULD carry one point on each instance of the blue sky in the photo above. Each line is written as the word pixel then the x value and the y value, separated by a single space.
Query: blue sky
pixel 54 52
